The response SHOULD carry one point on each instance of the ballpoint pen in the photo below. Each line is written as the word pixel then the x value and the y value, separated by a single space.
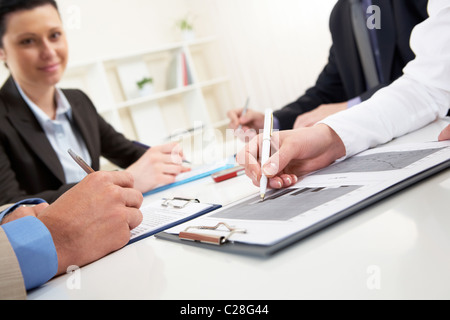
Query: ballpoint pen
pixel 267 135
pixel 81 162
pixel 244 111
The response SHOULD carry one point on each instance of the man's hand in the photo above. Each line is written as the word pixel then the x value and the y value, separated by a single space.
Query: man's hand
pixel 321 112
pixel 94 218
pixel 296 153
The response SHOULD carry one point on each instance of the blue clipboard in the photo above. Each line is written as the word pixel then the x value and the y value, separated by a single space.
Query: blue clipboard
pixel 230 163
pixel 190 179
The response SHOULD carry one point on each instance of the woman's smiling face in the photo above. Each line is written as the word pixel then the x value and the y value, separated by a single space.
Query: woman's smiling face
pixel 35 46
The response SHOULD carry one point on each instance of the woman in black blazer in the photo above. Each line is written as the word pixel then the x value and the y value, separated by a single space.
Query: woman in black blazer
pixel 34 48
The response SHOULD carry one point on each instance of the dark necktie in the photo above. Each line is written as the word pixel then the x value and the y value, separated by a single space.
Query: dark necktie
pixel 363 44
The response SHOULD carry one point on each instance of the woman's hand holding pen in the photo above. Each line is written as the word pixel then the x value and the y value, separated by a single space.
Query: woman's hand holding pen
pixel 295 154
pixel 158 166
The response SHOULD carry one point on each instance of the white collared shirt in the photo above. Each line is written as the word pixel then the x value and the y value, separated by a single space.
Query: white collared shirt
pixel 62 135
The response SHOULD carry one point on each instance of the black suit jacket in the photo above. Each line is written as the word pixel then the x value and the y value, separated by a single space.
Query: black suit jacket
pixel 29 167
pixel 343 78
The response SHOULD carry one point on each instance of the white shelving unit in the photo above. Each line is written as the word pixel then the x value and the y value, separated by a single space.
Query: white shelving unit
pixel 172 107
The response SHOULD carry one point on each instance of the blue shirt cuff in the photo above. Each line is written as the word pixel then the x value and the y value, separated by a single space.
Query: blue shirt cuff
pixel 34 249
pixel 18 204
pixel 276 123
pixel 353 102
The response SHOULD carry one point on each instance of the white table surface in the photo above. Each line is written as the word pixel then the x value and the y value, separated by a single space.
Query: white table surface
pixel 396 249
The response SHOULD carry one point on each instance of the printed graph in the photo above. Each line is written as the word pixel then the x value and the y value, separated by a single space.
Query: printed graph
pixel 379 162
pixel 284 205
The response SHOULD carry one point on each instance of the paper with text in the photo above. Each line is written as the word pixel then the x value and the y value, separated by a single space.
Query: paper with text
pixel 157 218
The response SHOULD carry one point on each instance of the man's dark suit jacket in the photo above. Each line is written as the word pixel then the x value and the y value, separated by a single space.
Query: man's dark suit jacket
pixel 29 167
pixel 343 77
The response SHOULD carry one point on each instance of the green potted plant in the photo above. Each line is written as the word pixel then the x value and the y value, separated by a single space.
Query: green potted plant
pixel 187 28
pixel 145 86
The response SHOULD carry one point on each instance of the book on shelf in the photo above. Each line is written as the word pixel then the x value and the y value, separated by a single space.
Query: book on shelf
pixel 179 72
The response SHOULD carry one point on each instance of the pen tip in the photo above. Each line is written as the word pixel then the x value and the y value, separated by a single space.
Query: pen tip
pixel 262 197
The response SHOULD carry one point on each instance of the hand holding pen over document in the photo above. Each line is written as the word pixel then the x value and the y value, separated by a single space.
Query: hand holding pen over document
pixel 295 153
pixel 245 121
pixel 159 166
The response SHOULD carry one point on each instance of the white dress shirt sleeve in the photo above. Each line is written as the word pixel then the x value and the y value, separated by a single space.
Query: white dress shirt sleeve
pixel 416 99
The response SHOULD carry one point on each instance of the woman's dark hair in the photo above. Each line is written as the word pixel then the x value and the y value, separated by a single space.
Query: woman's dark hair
pixel 10 6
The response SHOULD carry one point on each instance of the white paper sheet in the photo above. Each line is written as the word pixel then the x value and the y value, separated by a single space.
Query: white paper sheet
pixel 157 217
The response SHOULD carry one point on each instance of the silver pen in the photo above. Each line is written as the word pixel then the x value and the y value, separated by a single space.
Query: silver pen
pixel 81 162
pixel 244 111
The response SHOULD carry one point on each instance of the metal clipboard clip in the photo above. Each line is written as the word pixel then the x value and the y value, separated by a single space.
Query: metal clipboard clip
pixel 178 203
pixel 211 239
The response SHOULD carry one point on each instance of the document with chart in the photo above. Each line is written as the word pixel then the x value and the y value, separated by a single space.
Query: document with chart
pixel 327 195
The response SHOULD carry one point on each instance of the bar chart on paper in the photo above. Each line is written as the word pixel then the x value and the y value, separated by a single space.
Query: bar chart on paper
pixel 278 204
pixel 386 161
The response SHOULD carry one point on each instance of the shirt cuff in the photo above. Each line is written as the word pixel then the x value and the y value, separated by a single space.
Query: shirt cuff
pixel 34 249
pixel 18 204
pixel 353 102
pixel 342 126
pixel 276 123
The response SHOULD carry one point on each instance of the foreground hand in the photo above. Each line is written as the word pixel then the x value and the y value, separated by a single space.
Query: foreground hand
pixel 321 112
pixel 445 134
pixel 296 153
pixel 93 219
pixel 159 166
